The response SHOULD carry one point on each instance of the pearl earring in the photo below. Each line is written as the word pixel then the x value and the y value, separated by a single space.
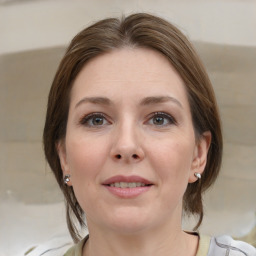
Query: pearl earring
pixel 66 178
pixel 197 175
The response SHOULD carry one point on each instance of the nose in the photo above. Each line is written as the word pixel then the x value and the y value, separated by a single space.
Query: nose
pixel 126 145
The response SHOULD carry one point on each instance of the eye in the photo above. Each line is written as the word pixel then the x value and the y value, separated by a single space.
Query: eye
pixel 94 120
pixel 161 119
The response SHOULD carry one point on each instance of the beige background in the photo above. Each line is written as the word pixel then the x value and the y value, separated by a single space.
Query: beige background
pixel 31 208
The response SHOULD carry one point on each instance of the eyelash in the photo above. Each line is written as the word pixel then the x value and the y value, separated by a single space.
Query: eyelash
pixel 88 118
pixel 170 119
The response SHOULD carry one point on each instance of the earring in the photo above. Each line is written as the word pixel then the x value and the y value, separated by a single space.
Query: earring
pixel 66 178
pixel 197 175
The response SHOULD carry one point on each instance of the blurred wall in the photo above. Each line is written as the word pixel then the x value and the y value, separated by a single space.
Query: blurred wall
pixel 30 24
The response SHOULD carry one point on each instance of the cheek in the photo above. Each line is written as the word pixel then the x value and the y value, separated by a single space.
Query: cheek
pixel 173 159
pixel 85 159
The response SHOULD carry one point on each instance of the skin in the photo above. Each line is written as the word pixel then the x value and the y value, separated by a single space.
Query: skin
pixel 130 139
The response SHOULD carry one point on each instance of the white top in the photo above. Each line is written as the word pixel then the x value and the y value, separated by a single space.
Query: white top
pixel 224 246
pixel 208 246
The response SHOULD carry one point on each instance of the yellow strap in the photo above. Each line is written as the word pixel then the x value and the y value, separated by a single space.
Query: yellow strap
pixel 204 244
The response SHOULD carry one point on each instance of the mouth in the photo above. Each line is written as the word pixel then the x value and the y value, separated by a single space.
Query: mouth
pixel 127 186
pixel 121 181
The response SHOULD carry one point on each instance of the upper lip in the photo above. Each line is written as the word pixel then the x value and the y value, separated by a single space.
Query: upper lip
pixel 121 178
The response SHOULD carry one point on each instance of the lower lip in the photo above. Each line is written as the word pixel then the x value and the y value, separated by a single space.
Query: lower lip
pixel 128 192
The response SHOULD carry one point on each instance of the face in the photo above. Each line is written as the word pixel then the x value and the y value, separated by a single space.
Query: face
pixel 130 146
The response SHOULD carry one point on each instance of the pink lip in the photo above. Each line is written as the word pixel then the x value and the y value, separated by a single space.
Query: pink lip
pixel 127 192
pixel 121 178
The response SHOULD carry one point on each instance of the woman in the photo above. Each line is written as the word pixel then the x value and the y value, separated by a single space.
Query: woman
pixel 133 137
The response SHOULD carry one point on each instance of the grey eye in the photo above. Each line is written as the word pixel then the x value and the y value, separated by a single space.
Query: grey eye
pixel 158 120
pixel 161 119
pixel 97 120
pixel 94 120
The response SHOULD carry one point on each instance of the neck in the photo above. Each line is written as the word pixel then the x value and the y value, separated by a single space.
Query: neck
pixel 165 240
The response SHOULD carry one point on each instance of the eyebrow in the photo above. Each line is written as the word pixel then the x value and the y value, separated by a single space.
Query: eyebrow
pixel 94 100
pixel 159 99
pixel 146 101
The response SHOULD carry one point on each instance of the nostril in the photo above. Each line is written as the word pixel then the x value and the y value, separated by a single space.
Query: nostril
pixel 119 156
pixel 135 156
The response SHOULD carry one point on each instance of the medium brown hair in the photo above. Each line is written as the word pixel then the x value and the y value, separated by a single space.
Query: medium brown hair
pixel 139 30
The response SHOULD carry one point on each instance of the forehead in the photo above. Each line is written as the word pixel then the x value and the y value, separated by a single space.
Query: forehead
pixel 120 63
pixel 128 71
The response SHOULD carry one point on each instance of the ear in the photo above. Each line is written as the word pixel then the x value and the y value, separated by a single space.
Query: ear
pixel 61 149
pixel 200 155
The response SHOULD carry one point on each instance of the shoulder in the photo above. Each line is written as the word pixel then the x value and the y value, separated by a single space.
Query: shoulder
pixel 227 246
pixel 71 251
pixel 56 246
pixel 76 250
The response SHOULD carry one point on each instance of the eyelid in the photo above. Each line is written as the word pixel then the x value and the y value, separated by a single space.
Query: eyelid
pixel 165 115
pixel 85 118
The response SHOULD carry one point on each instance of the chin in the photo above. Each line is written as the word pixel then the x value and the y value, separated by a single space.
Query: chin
pixel 130 221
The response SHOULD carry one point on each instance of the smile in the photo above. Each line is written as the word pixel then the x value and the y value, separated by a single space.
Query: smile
pixel 128 184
